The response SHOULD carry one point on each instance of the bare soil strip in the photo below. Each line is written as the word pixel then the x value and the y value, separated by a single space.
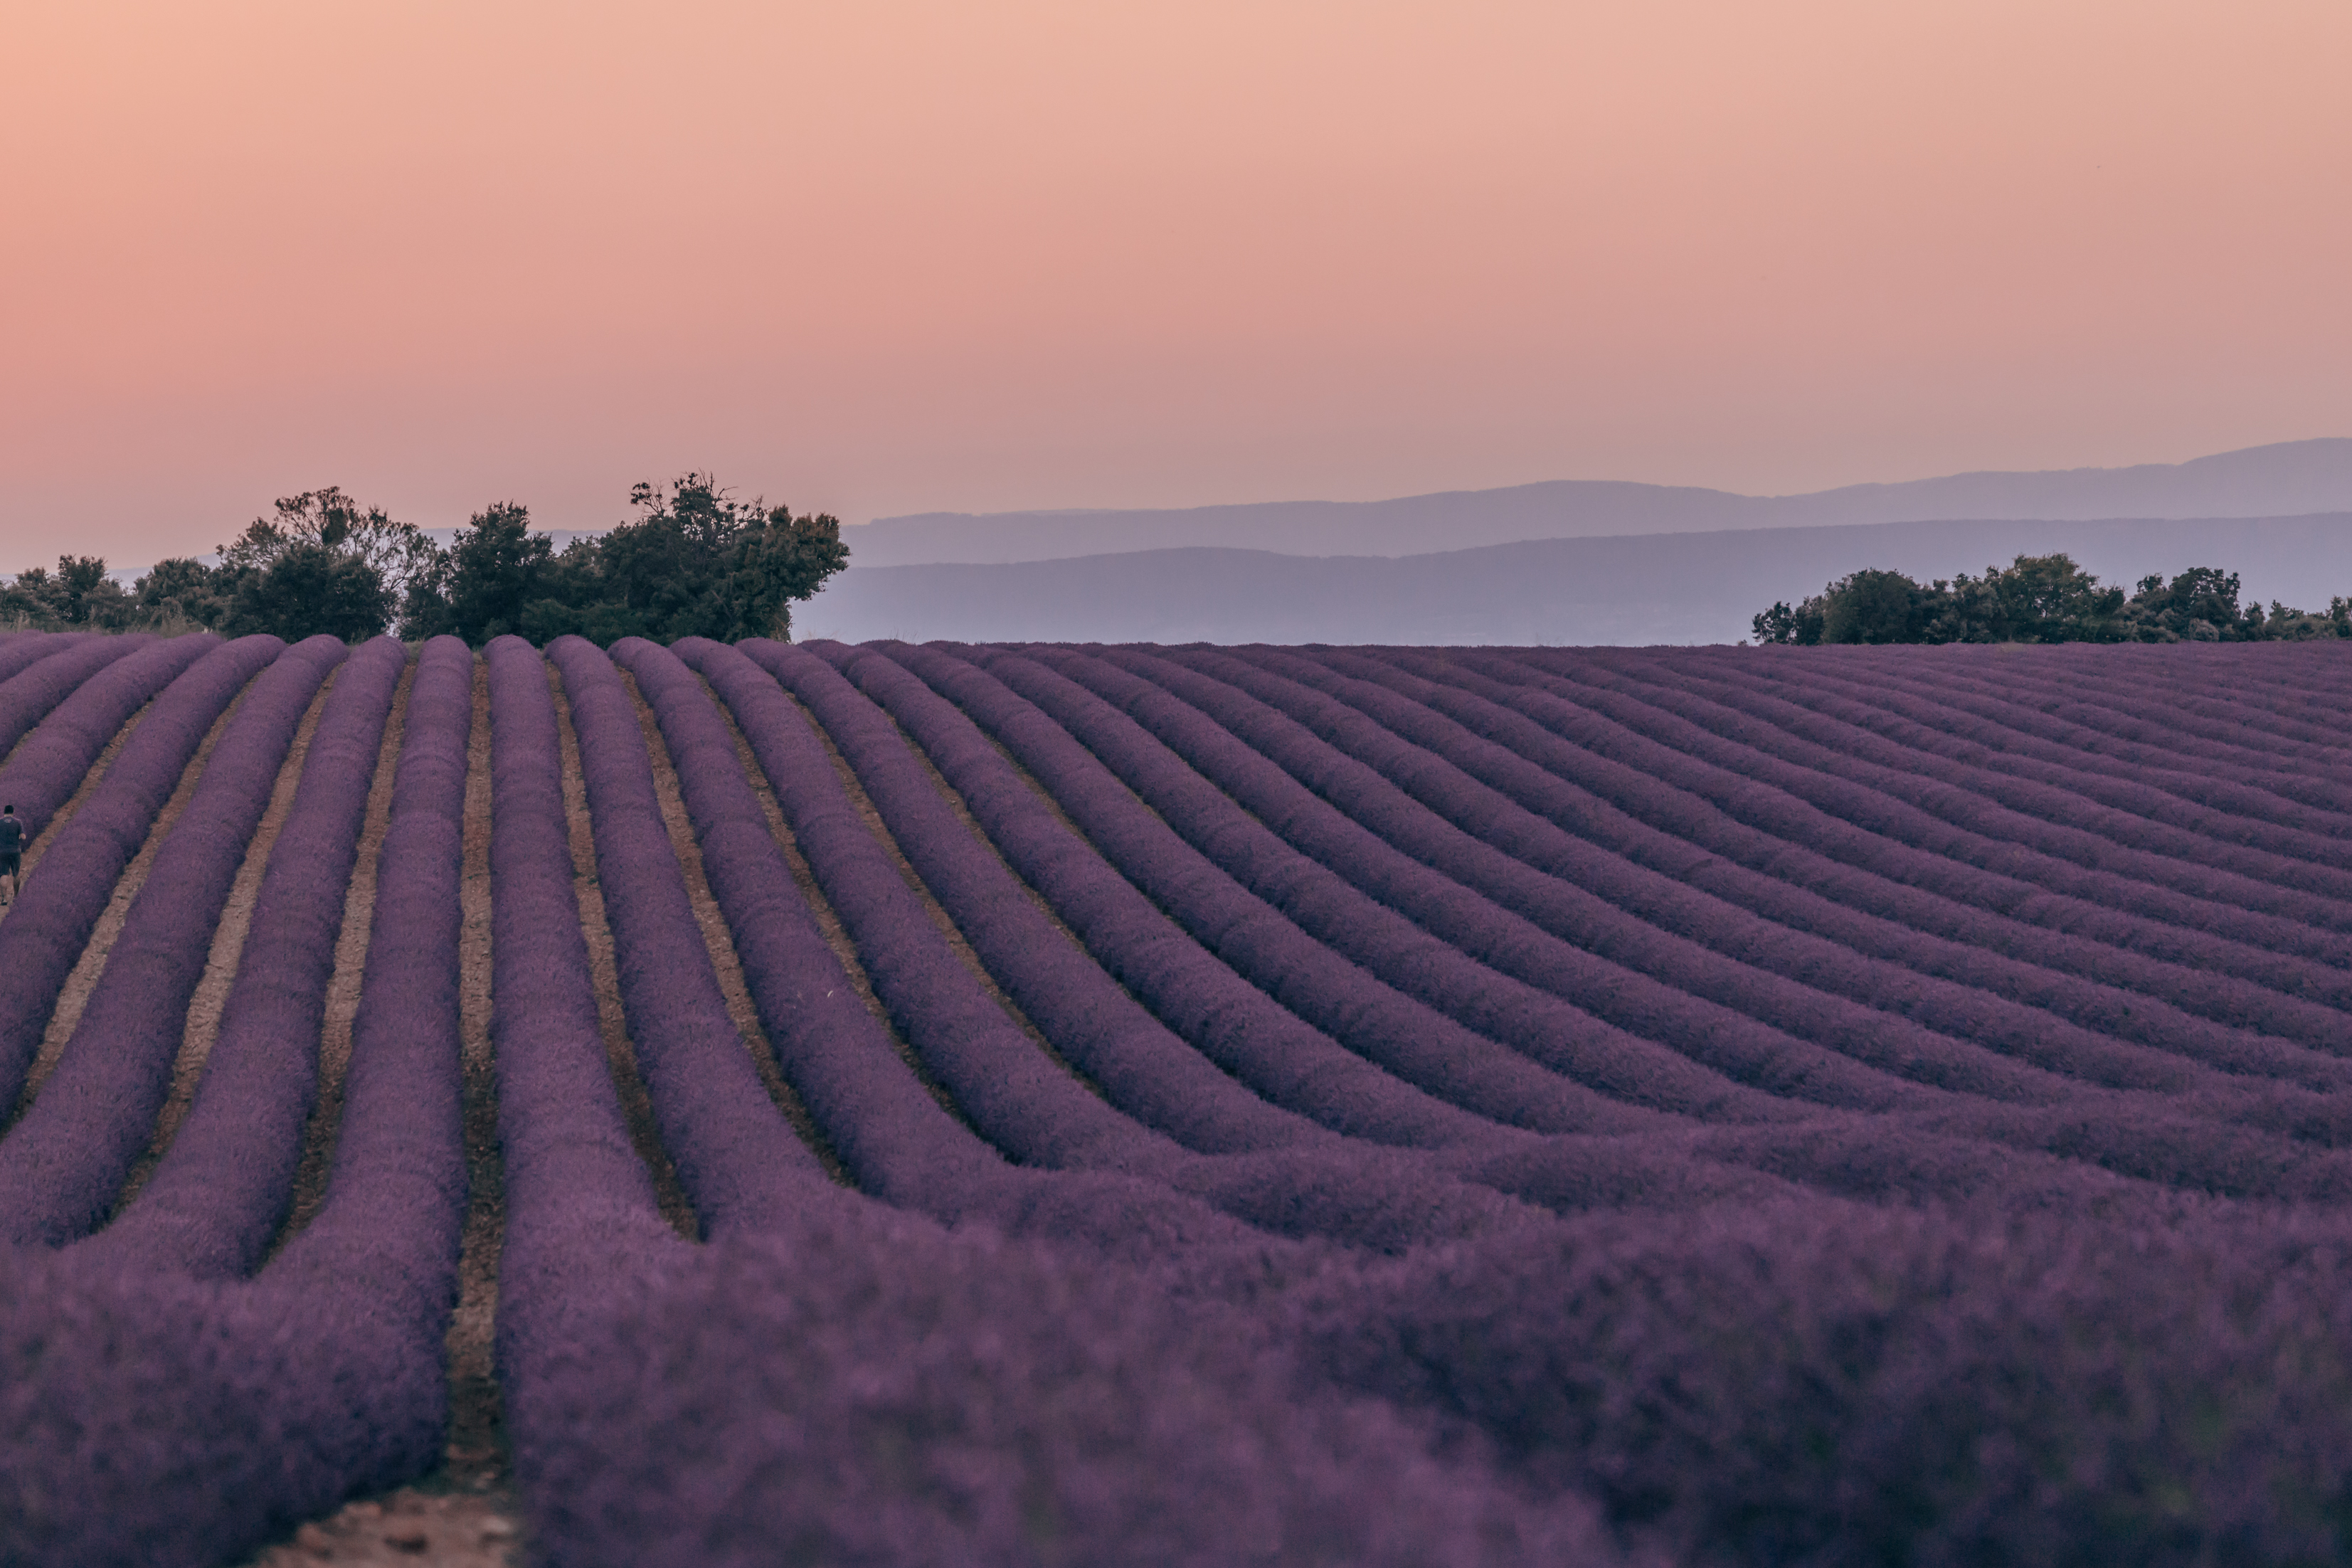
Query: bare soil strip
pixel 872 818
pixel 721 941
pixel 203 1025
pixel 478 1446
pixel 410 1526
pixel 75 994
pixel 620 1054
pixel 343 986
pixel 463 1515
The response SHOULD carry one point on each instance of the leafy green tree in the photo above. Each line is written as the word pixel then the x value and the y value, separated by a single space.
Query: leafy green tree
pixel 695 562
pixel 2199 605
pixel 77 596
pixel 778 561
pixel 2036 598
pixel 328 518
pixel 479 587
pixel 1800 624
pixel 2042 599
pixel 185 588
pixel 309 588
pixel 1874 606
pixel 321 540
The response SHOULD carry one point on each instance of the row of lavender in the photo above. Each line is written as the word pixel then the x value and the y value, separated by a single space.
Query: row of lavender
pixel 1388 1143
pixel 1791 1377
pixel 179 1379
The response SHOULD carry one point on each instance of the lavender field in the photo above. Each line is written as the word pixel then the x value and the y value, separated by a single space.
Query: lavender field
pixel 1066 1105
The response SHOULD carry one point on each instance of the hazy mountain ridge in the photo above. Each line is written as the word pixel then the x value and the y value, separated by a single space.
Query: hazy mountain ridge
pixel 2287 478
pixel 1680 588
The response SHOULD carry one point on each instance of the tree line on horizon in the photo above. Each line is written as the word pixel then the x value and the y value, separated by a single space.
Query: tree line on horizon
pixel 693 561
pixel 2041 599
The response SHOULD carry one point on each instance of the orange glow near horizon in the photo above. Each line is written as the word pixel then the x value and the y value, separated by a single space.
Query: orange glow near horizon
pixel 908 255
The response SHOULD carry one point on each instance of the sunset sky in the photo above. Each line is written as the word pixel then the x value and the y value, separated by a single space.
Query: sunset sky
pixel 891 256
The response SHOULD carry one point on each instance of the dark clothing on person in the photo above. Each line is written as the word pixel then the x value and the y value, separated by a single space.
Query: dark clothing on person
pixel 12 851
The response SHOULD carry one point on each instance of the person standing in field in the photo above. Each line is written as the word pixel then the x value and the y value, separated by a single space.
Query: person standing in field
pixel 12 850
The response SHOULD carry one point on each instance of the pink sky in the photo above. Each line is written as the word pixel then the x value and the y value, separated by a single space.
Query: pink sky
pixel 891 256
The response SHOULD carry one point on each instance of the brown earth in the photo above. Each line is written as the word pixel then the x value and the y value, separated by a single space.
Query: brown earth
pixel 464 1515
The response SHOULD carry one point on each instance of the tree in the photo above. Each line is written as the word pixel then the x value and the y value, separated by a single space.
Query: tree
pixel 478 587
pixel 184 587
pixel 78 594
pixel 2038 598
pixel 396 552
pixel 1873 606
pixel 361 544
pixel 1801 625
pixel 2200 604
pixel 307 589
pixel 781 560
pixel 694 562
pixel 2035 598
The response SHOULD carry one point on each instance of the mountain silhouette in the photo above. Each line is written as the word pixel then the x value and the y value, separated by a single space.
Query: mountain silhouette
pixel 2289 478
pixel 1689 588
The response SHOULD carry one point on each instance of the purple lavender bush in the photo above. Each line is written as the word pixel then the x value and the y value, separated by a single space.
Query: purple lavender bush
pixel 149 1415
pixel 51 919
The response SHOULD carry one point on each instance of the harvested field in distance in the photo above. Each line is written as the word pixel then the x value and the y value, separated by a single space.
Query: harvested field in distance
pixel 1066 1105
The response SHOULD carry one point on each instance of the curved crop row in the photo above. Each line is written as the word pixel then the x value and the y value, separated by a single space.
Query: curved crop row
pixel 2098 1035
pixel 897 1140
pixel 45 934
pixel 1949 822
pixel 1662 818
pixel 222 1189
pixel 44 771
pixel 1520 1019
pixel 875 1374
pixel 2072 719
pixel 1349 1001
pixel 1482 929
pixel 149 1416
pixel 1140 1064
pixel 1087 1175
pixel 1555 1172
pixel 2076 713
pixel 2136 1133
pixel 1888 1060
pixel 736 1155
pixel 1230 1021
pixel 2221 822
pixel 1860 826
pixel 26 697
pixel 1309 1185
pixel 63 1164
pixel 21 650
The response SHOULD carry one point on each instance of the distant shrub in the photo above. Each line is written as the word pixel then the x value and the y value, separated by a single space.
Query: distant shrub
pixel 2039 598
pixel 694 562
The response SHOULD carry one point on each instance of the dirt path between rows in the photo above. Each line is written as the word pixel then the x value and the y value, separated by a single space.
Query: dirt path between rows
pixel 464 1515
